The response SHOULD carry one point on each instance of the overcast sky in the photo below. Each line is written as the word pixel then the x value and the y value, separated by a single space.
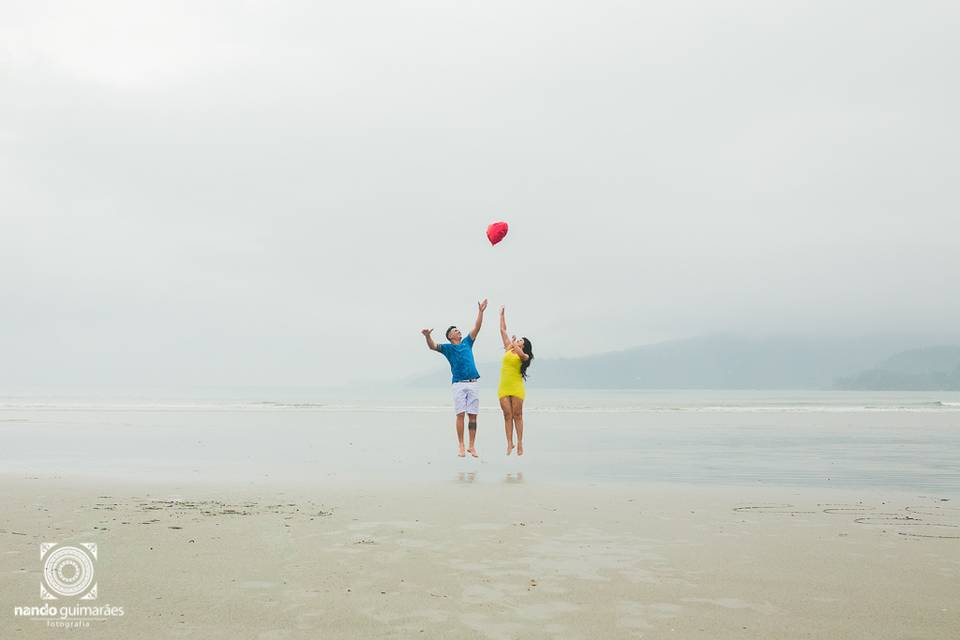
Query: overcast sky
pixel 286 193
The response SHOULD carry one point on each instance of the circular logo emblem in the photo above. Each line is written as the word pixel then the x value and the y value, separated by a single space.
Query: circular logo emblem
pixel 68 571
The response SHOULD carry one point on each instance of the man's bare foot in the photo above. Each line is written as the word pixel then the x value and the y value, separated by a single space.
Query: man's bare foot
pixel 473 452
pixel 461 452
pixel 509 447
pixel 519 448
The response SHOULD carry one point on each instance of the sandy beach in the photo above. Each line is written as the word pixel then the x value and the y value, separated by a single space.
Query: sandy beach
pixel 492 560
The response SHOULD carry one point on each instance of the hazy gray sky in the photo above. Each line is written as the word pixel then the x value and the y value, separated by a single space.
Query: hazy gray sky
pixel 278 193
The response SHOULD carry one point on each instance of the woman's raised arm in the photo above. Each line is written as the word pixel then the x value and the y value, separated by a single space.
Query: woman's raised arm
pixel 503 328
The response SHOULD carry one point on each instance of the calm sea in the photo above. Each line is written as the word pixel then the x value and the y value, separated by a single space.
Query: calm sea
pixel 251 436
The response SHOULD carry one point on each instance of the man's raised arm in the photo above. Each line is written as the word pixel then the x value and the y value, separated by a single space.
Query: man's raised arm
pixel 481 306
pixel 430 343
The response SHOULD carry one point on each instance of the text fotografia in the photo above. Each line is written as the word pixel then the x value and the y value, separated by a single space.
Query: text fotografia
pixel 69 616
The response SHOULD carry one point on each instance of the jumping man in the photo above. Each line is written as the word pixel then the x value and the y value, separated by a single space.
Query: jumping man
pixel 466 395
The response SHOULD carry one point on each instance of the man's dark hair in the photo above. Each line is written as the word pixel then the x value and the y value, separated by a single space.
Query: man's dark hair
pixel 449 329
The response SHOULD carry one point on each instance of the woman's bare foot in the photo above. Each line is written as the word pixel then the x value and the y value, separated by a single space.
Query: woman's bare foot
pixel 473 452
pixel 519 448
pixel 461 452
pixel 509 447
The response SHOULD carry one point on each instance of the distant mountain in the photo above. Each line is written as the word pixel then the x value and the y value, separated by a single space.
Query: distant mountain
pixel 930 368
pixel 709 362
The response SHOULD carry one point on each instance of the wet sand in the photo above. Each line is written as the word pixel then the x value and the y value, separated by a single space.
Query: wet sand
pixel 494 560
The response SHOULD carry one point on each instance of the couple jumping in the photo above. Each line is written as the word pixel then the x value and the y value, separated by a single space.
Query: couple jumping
pixel 518 353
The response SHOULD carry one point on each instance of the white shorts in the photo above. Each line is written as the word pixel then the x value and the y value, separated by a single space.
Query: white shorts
pixel 466 398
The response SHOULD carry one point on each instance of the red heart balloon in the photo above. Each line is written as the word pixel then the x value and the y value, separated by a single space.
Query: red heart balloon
pixel 497 232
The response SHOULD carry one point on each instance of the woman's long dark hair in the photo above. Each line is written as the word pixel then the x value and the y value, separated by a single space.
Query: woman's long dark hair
pixel 527 349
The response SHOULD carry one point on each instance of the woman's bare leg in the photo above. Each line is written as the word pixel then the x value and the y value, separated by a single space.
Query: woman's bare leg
pixel 507 421
pixel 516 406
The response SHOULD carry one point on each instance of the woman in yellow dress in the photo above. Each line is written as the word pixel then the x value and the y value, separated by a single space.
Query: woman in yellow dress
pixel 516 360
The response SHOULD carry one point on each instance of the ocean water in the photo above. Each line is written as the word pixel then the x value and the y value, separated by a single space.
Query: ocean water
pixel 258 436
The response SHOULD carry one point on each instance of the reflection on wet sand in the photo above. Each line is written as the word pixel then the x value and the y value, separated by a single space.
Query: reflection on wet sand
pixel 470 477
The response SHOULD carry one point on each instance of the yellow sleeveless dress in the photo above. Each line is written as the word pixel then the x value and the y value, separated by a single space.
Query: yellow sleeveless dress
pixel 511 382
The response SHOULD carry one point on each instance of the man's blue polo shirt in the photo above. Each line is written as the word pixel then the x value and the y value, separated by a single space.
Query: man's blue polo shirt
pixel 460 357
